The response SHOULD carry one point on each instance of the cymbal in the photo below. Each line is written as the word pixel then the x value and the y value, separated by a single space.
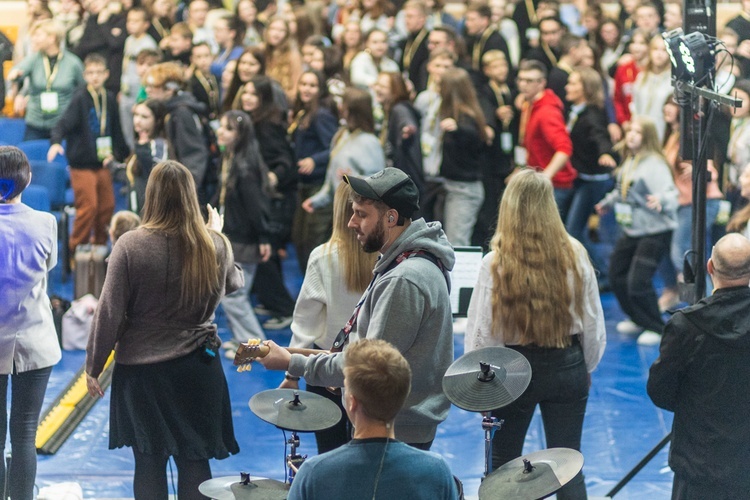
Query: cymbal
pixel 536 475
pixel 295 410
pixel 230 488
pixel 507 376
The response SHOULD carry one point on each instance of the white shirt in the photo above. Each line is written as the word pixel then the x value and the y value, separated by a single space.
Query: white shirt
pixel 479 331
pixel 324 304
pixel 28 250
pixel 364 72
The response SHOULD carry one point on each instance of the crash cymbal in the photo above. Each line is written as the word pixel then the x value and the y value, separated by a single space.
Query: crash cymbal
pixel 295 410
pixel 232 488
pixel 536 475
pixel 487 379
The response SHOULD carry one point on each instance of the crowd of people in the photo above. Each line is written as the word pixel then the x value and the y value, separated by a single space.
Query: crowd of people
pixel 393 128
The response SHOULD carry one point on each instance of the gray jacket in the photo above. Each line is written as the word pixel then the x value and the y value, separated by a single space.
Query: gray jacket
pixel 408 306
pixel 652 176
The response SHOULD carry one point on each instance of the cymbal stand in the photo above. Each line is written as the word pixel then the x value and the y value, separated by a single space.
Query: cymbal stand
pixel 490 424
pixel 294 460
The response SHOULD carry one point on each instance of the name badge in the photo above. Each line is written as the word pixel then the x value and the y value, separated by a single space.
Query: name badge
pixel 49 102
pixel 624 214
pixel 428 144
pixel 519 156
pixel 506 142
pixel 725 210
pixel 103 147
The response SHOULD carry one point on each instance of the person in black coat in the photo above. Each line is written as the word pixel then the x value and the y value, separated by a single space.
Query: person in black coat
pixel 551 30
pixel 189 139
pixel 242 199
pixel 414 49
pixel 481 37
pixel 257 99
pixel 592 156
pixel 91 127
pixel 701 375
pixel 496 99
pixel 105 34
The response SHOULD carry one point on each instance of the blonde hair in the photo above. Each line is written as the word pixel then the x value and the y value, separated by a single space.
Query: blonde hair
pixel 593 89
pixel 161 74
pixel 50 27
pixel 650 144
pixel 493 55
pixel 533 263
pixel 378 376
pixel 171 207
pixel 122 222
pixel 355 263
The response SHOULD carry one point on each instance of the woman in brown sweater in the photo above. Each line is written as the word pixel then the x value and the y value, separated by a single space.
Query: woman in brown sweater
pixel 169 394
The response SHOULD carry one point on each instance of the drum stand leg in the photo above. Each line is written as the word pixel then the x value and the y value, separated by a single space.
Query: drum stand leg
pixel 294 461
pixel 490 424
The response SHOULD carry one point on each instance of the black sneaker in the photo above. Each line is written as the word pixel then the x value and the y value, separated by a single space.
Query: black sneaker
pixel 278 323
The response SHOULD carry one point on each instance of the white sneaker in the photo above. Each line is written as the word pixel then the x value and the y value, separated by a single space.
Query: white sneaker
pixel 230 344
pixel 627 327
pixel 649 337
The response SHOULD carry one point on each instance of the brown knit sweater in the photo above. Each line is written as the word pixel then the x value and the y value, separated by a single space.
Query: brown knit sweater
pixel 139 314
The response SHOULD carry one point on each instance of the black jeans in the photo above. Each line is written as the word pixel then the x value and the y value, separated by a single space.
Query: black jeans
pixel 559 385
pixel 631 272
pixel 27 396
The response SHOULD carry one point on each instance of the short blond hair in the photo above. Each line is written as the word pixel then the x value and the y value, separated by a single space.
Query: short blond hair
pixel 49 26
pixel 122 222
pixel 493 55
pixel 378 376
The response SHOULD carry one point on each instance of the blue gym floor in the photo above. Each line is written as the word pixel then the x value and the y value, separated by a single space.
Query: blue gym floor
pixel 621 425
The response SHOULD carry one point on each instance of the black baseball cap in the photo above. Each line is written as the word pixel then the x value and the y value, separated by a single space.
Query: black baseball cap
pixel 391 186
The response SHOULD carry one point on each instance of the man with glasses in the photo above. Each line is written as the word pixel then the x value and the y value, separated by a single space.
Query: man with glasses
pixel 701 375
pixel 543 141
pixel 551 31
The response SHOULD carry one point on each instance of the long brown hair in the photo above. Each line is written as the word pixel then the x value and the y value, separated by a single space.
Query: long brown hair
pixel 533 264
pixel 460 98
pixel 355 263
pixel 171 207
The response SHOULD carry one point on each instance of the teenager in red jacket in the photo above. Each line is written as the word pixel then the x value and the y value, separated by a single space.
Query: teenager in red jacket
pixel 544 142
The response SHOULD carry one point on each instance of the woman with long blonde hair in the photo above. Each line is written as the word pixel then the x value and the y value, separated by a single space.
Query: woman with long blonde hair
pixel 338 273
pixel 164 282
pixel 283 61
pixel 537 294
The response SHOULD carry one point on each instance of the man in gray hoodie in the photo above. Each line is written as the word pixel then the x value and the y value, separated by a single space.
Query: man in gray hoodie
pixel 406 304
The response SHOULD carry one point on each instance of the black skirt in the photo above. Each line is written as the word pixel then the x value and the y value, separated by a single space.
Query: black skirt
pixel 179 407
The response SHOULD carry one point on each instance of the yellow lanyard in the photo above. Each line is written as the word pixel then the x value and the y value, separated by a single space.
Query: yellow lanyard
pixel 50 73
pixel 163 32
pixel 532 12
pixel 550 55
pixel 295 123
pixel 211 92
pixel 384 128
pixel 626 178
pixel 525 114
pixel 412 47
pixel 226 164
pixel 100 109
pixel 476 53
pixel 344 137
pixel 499 90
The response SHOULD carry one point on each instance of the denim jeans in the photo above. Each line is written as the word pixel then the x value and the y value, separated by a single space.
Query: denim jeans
pixel 563 199
pixel 586 194
pixel 631 272
pixel 559 385
pixel 27 396
pixel 682 238
pixel 242 320
pixel 462 203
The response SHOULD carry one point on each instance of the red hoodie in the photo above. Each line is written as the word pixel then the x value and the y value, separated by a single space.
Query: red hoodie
pixel 546 135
